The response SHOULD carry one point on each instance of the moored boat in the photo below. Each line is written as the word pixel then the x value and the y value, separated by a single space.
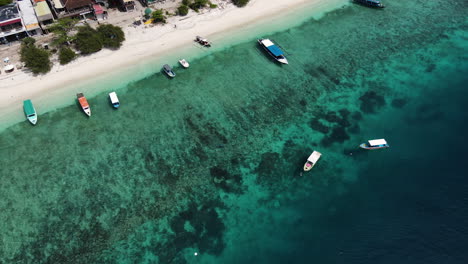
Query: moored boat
pixel 203 41
pixel 114 100
pixel 273 50
pixel 84 104
pixel 168 70
pixel 30 111
pixel 312 160
pixel 370 3
pixel 184 63
pixel 375 144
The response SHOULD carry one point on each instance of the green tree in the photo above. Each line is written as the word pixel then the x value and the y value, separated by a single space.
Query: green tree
pixel 5 2
pixel 197 4
pixel 240 3
pixel 183 10
pixel 34 58
pixel 61 30
pixel 112 36
pixel 88 40
pixel 158 16
pixel 66 55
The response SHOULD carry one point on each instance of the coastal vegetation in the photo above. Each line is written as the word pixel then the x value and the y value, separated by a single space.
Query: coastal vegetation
pixel 66 55
pixel 112 36
pixel 88 40
pixel 158 16
pixel 195 5
pixel 34 58
pixel 5 2
pixel 240 3
pixel 182 10
pixel 61 30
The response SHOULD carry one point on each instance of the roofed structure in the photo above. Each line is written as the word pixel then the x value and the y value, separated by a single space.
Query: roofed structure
pixel 74 4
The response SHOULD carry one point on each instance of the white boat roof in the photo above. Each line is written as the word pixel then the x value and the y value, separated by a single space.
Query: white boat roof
pixel 113 97
pixel 267 42
pixel 314 156
pixel 376 142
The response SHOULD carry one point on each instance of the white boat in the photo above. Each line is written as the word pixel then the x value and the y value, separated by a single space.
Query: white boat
pixel 273 50
pixel 114 100
pixel 184 63
pixel 375 144
pixel 312 160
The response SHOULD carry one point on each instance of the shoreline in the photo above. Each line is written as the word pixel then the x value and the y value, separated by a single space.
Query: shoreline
pixel 147 49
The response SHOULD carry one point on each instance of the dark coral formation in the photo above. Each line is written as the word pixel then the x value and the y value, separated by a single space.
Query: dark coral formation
pixel 371 102
pixel 208 229
pixel 317 125
pixel 399 102
pixel 231 183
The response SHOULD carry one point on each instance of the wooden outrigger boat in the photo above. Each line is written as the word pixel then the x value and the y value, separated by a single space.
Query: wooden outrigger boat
pixel 168 70
pixel 30 111
pixel 203 41
pixel 312 160
pixel 84 104
pixel 370 3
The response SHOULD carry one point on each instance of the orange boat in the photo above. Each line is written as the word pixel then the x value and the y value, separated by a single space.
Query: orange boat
pixel 84 104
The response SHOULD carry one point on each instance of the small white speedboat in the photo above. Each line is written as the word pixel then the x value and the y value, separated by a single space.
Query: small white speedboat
pixel 312 160
pixel 184 63
pixel 114 100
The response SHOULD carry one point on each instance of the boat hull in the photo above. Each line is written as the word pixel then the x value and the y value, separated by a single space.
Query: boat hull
pixel 30 112
pixel 366 146
pixel 84 104
pixel 369 4
pixel 184 63
pixel 308 166
pixel 312 160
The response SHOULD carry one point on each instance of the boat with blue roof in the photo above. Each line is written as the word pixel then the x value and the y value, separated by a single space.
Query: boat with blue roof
pixel 273 50
pixel 375 144
pixel 370 3
pixel 30 111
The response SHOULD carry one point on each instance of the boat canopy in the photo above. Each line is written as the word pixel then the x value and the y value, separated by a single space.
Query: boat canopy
pixel 28 107
pixel 272 47
pixel 113 97
pixel 377 142
pixel 167 67
pixel 314 157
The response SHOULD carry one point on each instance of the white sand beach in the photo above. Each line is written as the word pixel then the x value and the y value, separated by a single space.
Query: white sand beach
pixel 148 44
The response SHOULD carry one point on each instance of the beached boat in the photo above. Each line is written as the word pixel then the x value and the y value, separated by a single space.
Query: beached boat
pixel 114 100
pixel 30 111
pixel 375 144
pixel 168 70
pixel 184 63
pixel 203 41
pixel 312 160
pixel 370 3
pixel 273 50
pixel 84 104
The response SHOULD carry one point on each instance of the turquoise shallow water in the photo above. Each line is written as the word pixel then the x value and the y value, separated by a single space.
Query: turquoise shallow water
pixel 209 162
